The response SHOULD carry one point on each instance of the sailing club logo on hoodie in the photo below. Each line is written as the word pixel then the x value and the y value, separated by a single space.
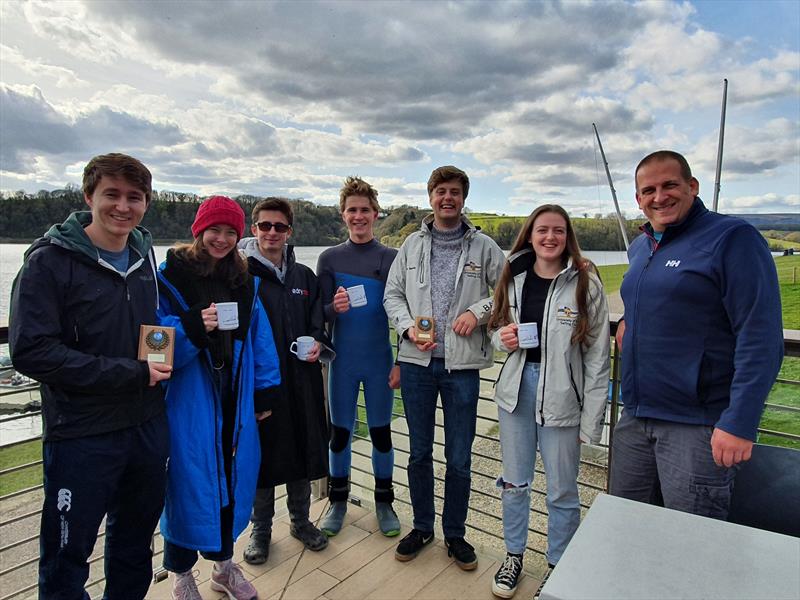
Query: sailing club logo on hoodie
pixel 566 315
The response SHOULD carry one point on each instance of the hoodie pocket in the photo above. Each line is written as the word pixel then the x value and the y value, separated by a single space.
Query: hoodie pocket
pixel 578 396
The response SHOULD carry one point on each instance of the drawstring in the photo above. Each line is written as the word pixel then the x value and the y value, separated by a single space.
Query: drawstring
pixel 152 256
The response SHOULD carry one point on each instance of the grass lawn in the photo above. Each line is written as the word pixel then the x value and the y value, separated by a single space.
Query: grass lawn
pixel 789 278
pixel 778 243
pixel 612 277
pixel 20 455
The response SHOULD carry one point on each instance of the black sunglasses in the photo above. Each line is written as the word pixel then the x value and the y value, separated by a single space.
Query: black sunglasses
pixel 279 227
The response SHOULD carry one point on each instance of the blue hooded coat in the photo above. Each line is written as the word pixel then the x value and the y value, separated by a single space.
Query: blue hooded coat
pixel 197 487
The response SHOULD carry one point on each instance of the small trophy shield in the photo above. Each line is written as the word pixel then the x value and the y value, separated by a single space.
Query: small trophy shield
pixel 425 329
pixel 156 343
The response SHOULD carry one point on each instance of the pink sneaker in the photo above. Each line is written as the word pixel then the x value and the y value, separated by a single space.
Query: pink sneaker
pixel 232 581
pixel 184 587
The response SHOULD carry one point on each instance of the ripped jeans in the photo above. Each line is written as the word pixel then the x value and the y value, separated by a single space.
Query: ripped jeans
pixel 560 451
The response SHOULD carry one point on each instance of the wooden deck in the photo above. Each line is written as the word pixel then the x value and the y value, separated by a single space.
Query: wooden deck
pixel 358 564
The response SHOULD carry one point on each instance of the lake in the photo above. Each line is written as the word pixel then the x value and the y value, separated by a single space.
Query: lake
pixel 11 261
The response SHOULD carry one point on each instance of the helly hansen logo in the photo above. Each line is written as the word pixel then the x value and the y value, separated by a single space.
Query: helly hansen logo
pixel 64 502
pixel 672 263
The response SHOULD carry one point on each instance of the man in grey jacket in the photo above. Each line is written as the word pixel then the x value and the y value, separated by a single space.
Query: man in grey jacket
pixel 443 274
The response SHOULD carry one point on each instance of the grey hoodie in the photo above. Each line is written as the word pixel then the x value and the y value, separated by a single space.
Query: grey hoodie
pixel 573 381
pixel 408 295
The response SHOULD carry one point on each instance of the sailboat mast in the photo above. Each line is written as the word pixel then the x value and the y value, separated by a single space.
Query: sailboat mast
pixel 719 147
pixel 613 191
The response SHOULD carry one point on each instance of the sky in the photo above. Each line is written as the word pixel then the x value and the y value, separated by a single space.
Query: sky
pixel 289 98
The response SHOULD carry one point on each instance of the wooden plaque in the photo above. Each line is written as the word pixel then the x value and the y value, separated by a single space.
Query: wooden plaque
pixel 156 343
pixel 425 329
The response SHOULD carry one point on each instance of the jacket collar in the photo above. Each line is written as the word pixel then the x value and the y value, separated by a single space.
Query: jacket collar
pixel 697 210
pixel 71 235
pixel 249 247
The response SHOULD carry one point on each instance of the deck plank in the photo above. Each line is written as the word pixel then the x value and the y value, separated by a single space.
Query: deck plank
pixel 406 581
pixel 371 576
pixel 454 582
pixel 358 564
pixel 356 557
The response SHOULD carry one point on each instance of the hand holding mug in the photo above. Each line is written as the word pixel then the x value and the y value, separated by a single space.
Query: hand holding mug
pixel 303 348
pixel 341 301
pixel 209 316
pixel 313 354
pixel 508 337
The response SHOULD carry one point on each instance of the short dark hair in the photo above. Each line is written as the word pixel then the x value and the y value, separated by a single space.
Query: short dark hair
pixel 448 173
pixel 279 204
pixel 661 155
pixel 117 165
pixel 355 186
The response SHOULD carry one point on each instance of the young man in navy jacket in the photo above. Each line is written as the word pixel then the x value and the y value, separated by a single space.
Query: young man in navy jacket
pixel 76 307
pixel 702 343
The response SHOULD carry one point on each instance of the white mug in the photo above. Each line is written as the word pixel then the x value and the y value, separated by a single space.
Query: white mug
pixel 357 295
pixel 302 346
pixel 227 315
pixel 528 335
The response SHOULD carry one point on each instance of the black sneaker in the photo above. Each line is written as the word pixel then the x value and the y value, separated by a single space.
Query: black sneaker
pixel 464 554
pixel 544 580
pixel 507 576
pixel 410 545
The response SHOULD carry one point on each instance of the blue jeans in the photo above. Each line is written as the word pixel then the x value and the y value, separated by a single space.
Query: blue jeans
pixel 459 393
pixel 669 464
pixel 561 452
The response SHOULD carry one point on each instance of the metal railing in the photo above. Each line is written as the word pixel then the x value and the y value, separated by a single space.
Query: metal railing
pixel 485 519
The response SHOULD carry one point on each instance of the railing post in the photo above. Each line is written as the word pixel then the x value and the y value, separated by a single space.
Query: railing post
pixel 612 417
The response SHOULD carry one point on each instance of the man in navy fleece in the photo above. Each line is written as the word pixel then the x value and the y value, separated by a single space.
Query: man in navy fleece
pixel 701 345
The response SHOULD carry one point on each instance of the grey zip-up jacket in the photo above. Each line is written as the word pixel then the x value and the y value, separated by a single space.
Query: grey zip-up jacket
pixel 408 295
pixel 573 379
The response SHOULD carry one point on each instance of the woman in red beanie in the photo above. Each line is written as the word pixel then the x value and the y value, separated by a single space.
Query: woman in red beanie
pixel 224 379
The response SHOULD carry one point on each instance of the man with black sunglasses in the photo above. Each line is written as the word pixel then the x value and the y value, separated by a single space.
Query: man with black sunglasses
pixel 294 438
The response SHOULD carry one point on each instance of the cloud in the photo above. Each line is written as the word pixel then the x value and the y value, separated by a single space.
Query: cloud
pixel 38 68
pixel 400 72
pixel 764 203
pixel 76 29
pixel 774 146
pixel 281 97
pixel 32 127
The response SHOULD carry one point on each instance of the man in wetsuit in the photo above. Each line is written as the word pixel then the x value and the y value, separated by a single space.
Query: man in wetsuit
pixel 363 353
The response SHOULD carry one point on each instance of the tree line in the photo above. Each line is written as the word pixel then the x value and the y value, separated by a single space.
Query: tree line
pixel 25 217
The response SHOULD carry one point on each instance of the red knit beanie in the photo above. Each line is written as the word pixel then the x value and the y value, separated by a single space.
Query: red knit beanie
pixel 218 210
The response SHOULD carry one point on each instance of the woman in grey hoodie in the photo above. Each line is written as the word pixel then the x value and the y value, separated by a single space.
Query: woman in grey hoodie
pixel 551 316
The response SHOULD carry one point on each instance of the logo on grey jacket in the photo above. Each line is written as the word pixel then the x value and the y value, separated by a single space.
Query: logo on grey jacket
pixel 672 263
